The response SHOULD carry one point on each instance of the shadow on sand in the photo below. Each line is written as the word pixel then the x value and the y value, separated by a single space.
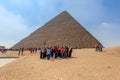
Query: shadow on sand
pixel 8 57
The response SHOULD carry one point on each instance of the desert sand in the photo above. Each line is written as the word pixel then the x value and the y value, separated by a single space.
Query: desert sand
pixel 85 64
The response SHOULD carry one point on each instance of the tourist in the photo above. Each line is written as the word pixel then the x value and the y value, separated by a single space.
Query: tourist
pixel 52 52
pixel 31 50
pixel 62 52
pixel 66 52
pixel 22 50
pixel 42 53
pixel 70 52
pixel 36 50
pixel 48 53
pixel 56 51
pixel 98 48
pixel 19 50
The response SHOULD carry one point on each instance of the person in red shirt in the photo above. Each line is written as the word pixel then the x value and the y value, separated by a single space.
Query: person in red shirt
pixel 56 51
pixel 62 52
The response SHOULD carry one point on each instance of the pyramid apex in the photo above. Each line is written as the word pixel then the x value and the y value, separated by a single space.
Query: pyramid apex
pixel 64 12
pixel 63 15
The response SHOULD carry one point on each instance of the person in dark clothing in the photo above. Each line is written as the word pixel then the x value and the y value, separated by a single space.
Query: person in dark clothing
pixel 41 54
pixel 22 50
pixel 36 50
pixel 59 53
pixel 70 52
pixel 31 50
pixel 66 52
pixel 98 48
pixel 52 52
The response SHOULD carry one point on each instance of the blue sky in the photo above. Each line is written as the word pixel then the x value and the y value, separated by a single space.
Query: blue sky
pixel 18 18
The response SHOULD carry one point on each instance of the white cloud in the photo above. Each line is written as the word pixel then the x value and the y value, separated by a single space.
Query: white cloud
pixel 108 34
pixel 12 28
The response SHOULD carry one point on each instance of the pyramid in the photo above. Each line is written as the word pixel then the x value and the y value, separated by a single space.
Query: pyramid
pixel 62 30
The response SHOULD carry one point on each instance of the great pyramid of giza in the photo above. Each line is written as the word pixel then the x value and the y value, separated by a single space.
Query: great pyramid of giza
pixel 63 30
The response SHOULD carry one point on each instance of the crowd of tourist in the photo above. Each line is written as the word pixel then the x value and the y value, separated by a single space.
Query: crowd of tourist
pixel 49 52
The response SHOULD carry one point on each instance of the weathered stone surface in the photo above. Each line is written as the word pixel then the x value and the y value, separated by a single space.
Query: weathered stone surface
pixel 63 30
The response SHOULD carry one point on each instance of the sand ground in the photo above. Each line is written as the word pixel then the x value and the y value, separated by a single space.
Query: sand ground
pixel 85 64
